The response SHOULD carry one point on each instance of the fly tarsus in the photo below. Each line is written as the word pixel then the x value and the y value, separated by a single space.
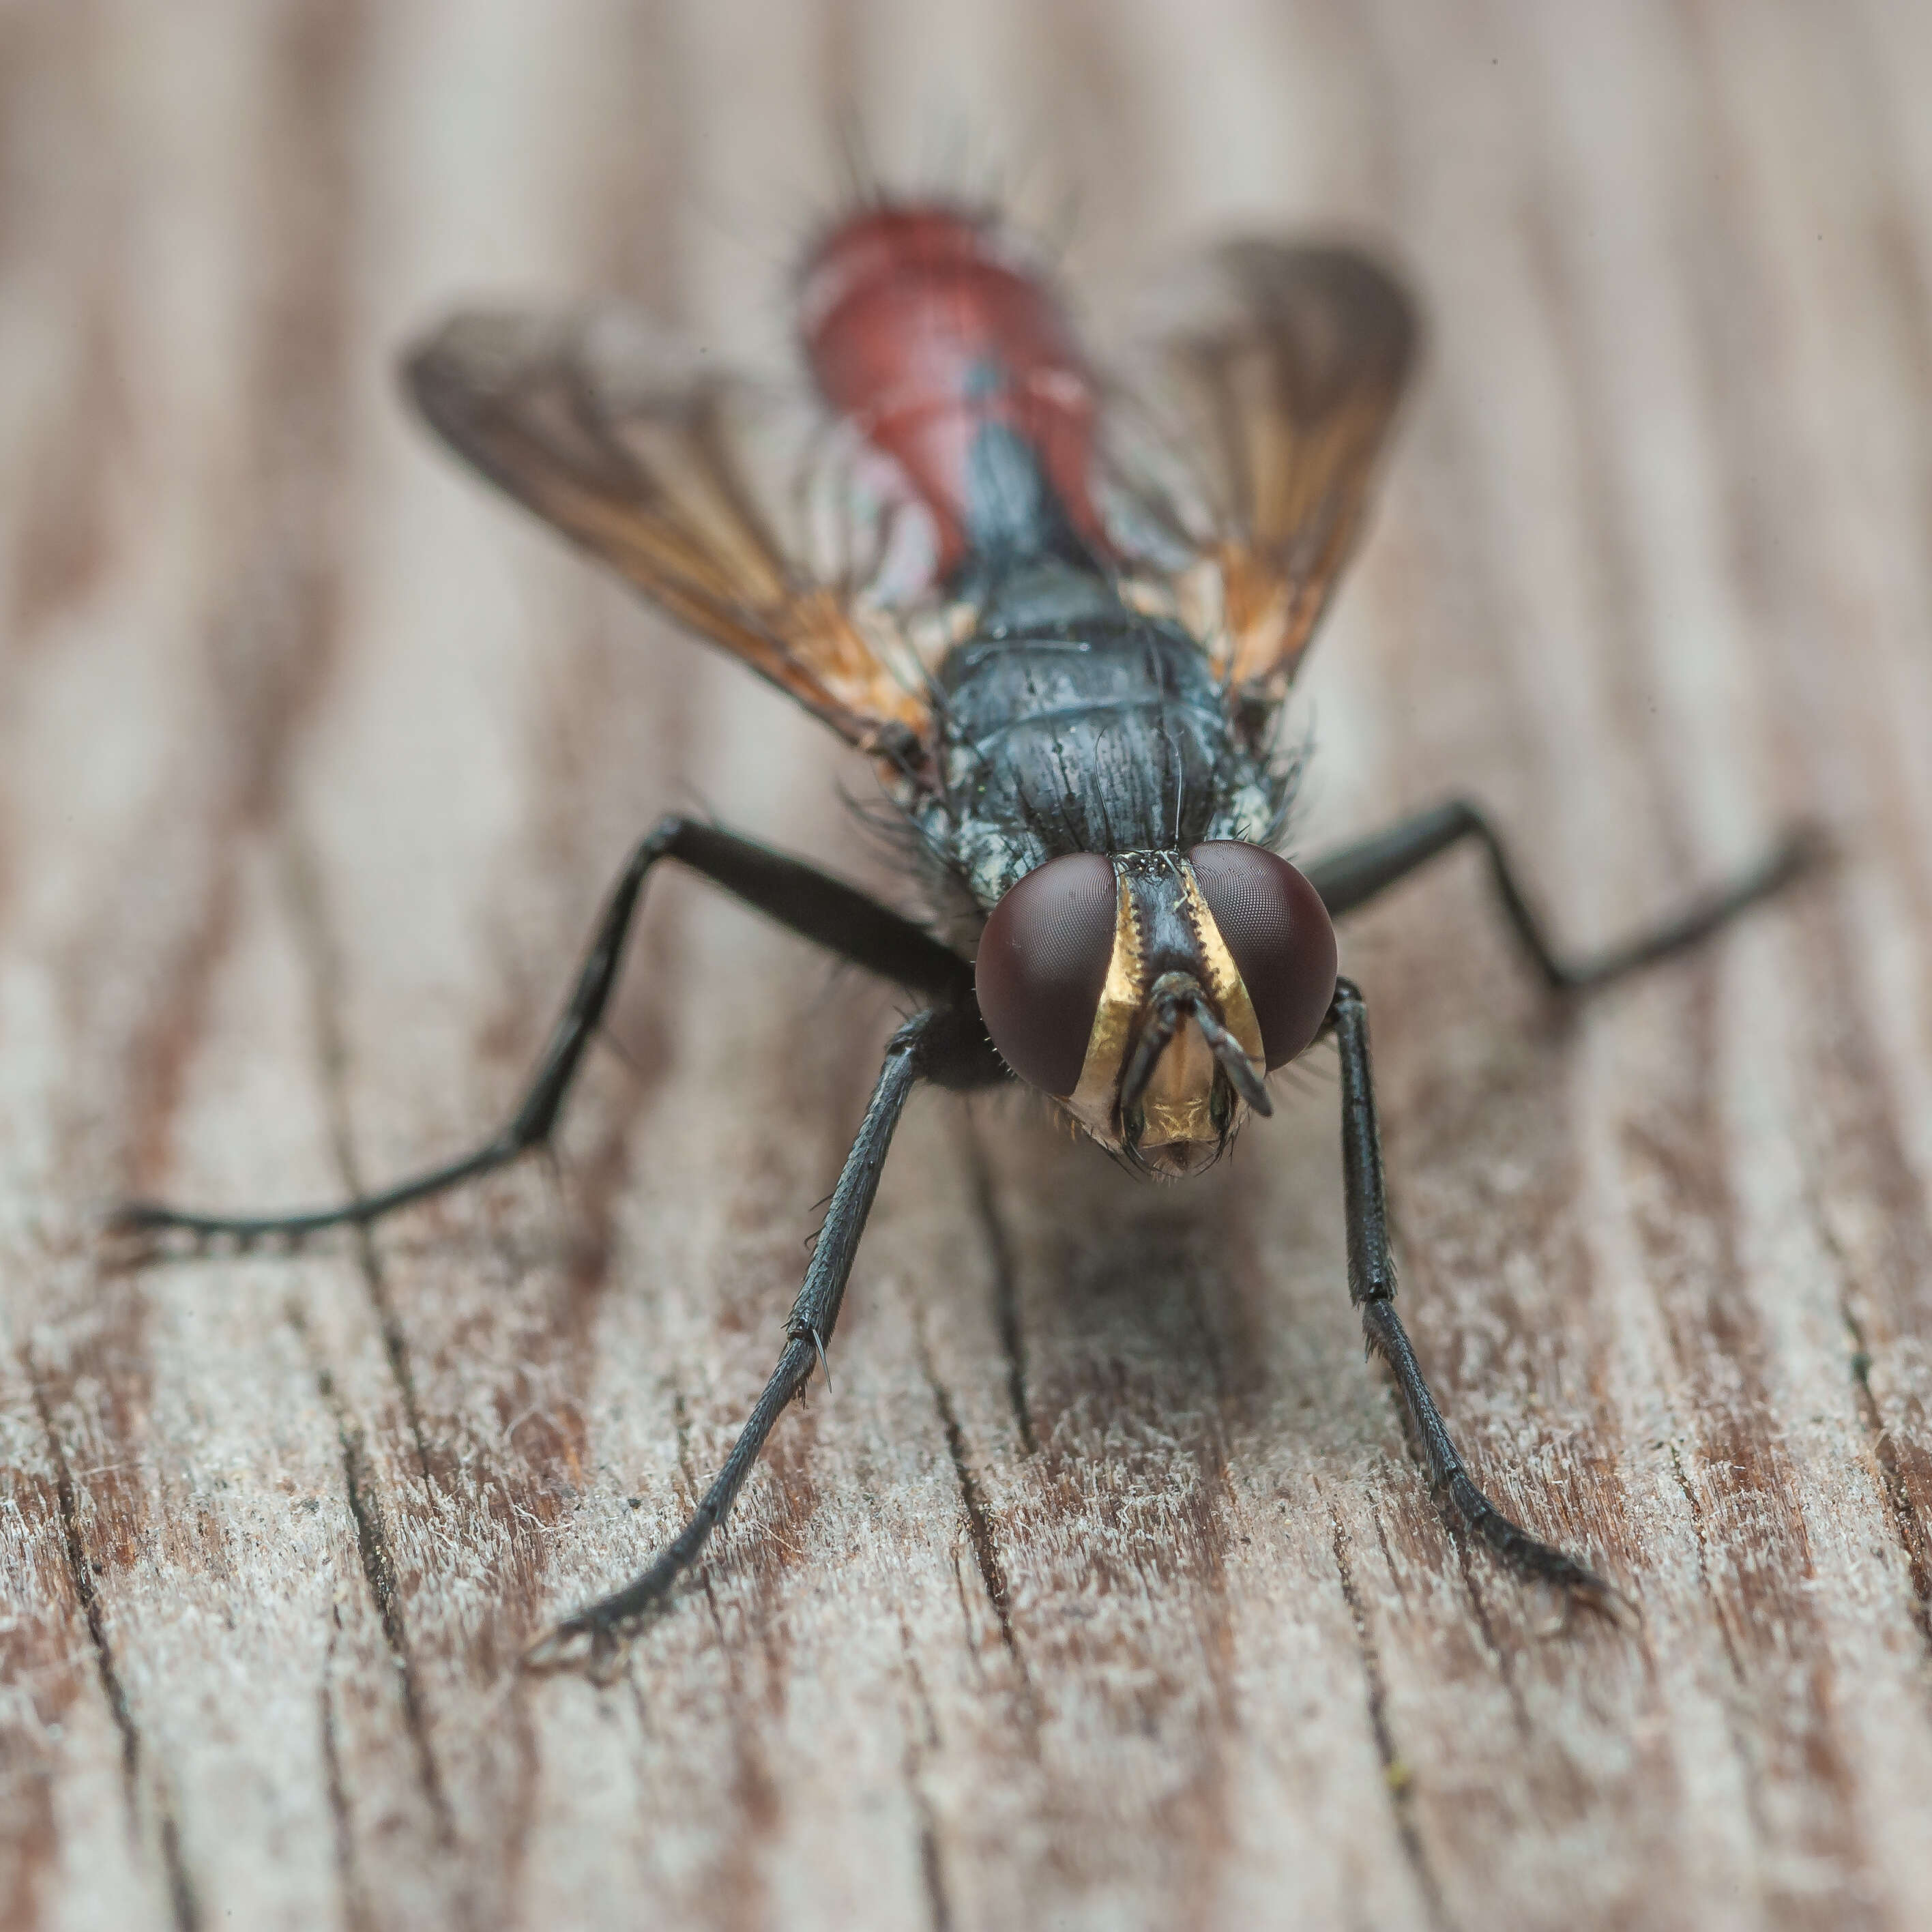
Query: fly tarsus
pixel 1530 1557
pixel 1455 1491
pixel 139 1218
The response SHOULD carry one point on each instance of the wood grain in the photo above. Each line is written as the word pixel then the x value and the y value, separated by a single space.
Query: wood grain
pixel 1100 1590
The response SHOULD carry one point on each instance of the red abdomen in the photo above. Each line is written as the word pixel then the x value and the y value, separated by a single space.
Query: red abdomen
pixel 922 329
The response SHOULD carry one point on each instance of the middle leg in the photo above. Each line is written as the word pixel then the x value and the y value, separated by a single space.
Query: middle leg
pixel 1360 872
pixel 798 896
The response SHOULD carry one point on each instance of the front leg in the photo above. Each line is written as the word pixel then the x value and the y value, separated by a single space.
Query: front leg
pixel 947 1048
pixel 1372 1288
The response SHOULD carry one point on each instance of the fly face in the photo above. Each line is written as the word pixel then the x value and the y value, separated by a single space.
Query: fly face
pixel 1148 993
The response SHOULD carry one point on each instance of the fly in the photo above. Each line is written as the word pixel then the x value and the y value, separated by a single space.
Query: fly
pixel 1063 633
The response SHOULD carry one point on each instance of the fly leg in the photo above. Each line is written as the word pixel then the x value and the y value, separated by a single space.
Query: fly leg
pixel 798 896
pixel 947 1047
pixel 1353 876
pixel 1371 1289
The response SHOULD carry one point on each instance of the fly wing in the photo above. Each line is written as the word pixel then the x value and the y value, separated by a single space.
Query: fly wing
pixel 606 431
pixel 1246 479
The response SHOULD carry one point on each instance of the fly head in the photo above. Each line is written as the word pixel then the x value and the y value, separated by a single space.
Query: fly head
pixel 1150 992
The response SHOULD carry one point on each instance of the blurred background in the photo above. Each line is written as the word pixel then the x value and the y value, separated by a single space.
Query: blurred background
pixel 1102 1593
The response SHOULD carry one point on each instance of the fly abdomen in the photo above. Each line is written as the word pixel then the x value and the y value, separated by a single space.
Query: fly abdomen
pixel 926 330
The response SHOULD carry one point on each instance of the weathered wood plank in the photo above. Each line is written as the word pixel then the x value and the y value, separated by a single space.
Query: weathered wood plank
pixel 1100 1590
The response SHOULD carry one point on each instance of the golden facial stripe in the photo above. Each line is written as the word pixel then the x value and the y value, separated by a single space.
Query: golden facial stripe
pixel 1225 987
pixel 1092 1101
pixel 1095 1098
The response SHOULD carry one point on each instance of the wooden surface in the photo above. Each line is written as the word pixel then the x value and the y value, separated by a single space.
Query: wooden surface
pixel 1099 1591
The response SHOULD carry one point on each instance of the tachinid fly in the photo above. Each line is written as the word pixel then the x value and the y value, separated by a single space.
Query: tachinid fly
pixel 1063 627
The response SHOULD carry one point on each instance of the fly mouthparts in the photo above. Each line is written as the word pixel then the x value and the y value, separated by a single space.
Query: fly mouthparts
pixel 1175 998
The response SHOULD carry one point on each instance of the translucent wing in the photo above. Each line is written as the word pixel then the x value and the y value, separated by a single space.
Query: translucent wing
pixel 666 471
pixel 1246 477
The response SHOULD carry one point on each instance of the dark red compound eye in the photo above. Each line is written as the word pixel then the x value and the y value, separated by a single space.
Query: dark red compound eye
pixel 1042 963
pixel 1279 932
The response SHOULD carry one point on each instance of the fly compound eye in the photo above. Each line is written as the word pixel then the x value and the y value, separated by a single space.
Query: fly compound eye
pixel 1042 961
pixel 1278 934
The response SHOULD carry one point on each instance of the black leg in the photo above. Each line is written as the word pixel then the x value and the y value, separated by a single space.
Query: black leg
pixel 1355 875
pixel 1372 1288
pixel 796 895
pixel 935 1046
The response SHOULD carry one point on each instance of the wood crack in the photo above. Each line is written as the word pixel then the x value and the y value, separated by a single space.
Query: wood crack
pixel 1705 1583
pixel 315 943
pixel 184 1906
pixel 980 1530
pixel 355 1904
pixel 378 1563
pixel 1397 1780
pixel 1905 1520
pixel 922 1740
pixel 1006 1282
pixel 1751 1777
pixel 1501 1657
pixel 754 1790
pixel 1893 1483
